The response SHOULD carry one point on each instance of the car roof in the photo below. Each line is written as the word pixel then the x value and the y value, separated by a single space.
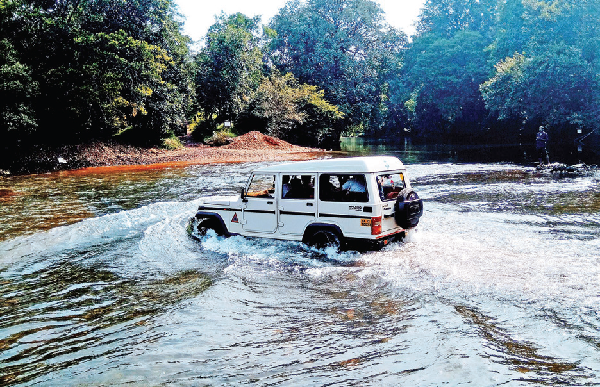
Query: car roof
pixel 340 165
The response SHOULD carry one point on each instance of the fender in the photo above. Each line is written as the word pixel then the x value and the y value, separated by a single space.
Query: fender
pixel 216 217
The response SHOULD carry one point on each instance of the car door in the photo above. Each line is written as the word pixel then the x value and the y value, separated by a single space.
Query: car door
pixel 259 208
pixel 297 203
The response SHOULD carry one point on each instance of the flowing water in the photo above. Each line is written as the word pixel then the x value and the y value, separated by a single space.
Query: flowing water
pixel 100 284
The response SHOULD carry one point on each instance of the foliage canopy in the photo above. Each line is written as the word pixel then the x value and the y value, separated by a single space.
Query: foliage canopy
pixel 93 69
pixel 476 70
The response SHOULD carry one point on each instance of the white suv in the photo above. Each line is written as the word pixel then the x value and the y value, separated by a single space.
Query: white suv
pixel 335 202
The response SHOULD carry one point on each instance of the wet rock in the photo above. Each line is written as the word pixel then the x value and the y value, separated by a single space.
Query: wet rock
pixel 564 170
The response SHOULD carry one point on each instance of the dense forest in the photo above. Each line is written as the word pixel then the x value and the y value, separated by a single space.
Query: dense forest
pixel 476 71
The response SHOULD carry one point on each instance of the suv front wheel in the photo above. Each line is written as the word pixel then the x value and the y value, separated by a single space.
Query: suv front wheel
pixel 199 227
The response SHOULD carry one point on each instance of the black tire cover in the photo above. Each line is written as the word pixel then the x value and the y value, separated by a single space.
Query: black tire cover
pixel 408 209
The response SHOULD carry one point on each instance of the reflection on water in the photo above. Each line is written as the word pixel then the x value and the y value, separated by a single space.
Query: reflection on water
pixel 498 286
pixel 41 202
pixel 411 153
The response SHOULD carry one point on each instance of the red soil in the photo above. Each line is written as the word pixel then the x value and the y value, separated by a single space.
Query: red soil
pixel 253 146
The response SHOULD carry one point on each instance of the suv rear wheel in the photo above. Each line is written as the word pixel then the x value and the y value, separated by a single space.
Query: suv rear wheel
pixel 322 239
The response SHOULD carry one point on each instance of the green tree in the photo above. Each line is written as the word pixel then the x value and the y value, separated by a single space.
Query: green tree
pixel 229 67
pixel 18 90
pixel 532 25
pixel 343 47
pixel 291 111
pixel 83 55
pixel 558 88
pixel 436 95
pixel 440 83
pixel 122 76
pixel 547 63
pixel 446 17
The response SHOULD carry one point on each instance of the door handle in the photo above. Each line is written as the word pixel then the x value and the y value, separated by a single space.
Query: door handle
pixel 269 202
pixel 309 204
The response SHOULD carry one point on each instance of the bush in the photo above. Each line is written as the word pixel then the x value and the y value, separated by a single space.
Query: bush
pixel 172 143
pixel 219 138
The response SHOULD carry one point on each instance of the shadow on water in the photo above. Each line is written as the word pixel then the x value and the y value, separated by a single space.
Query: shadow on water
pixel 522 356
pixel 67 313
pixel 524 153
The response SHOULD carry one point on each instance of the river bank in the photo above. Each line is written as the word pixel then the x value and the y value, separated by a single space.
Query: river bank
pixel 253 146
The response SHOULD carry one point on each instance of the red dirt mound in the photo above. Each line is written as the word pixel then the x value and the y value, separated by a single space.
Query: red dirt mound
pixel 257 140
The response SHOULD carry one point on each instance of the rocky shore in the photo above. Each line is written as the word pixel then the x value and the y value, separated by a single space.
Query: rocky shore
pixel 253 146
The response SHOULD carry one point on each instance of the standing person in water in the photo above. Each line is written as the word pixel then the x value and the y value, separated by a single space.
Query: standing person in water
pixel 540 145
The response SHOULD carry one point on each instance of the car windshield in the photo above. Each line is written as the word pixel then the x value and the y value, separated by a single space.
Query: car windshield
pixel 261 186
pixel 390 185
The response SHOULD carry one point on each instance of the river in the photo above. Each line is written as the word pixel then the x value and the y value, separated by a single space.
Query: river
pixel 101 285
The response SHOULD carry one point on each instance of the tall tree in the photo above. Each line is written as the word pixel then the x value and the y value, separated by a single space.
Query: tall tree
pixel 446 17
pixel 441 79
pixel 344 47
pixel 557 88
pixel 18 90
pixel 547 63
pixel 229 67
pixel 437 95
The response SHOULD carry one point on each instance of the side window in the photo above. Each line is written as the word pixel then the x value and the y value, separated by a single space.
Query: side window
pixel 262 186
pixel 390 185
pixel 297 186
pixel 343 188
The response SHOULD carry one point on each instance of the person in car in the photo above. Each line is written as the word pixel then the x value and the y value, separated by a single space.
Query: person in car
pixel 308 191
pixel 296 190
pixel 355 184
pixel 355 189
pixel 285 186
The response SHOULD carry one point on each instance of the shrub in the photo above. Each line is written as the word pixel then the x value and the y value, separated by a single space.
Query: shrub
pixel 219 138
pixel 172 143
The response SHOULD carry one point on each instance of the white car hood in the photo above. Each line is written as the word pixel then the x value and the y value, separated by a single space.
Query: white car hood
pixel 219 200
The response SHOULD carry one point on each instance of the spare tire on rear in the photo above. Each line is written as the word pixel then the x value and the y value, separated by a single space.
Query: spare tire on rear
pixel 408 209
